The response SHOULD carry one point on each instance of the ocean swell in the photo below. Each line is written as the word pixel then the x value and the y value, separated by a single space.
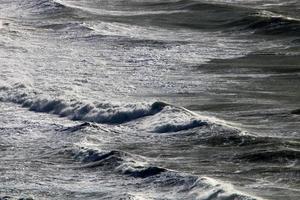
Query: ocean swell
pixel 185 13
pixel 269 23
pixel 45 7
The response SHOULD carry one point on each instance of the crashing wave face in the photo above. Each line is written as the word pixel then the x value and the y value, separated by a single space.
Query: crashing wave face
pixel 91 112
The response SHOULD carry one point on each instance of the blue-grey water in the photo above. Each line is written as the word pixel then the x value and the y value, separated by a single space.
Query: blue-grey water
pixel 149 99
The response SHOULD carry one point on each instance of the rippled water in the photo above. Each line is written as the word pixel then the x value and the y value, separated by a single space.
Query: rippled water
pixel 141 99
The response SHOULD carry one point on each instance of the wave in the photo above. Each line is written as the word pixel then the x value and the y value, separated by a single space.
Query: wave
pixel 157 119
pixel 16 198
pixel 185 13
pixel 66 27
pixel 47 8
pixel 296 112
pixel 271 155
pixel 269 23
pixel 52 15
pixel 185 185
pixel 91 112
pixel 233 19
pixel 79 127
pixel 151 118
pixel 171 118
pixel 204 133
pixel 119 161
pixel 166 128
pixel 148 118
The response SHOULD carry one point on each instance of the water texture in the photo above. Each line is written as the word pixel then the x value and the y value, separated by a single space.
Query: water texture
pixel 149 99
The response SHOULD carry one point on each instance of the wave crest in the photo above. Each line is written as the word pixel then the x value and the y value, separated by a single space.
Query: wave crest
pixel 75 110
pixel 166 128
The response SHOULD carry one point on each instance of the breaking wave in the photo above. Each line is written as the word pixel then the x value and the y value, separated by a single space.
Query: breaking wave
pixel 91 112
pixel 171 118
pixel 166 128
pixel 186 185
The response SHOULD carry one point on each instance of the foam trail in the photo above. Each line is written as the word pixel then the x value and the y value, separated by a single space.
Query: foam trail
pixel 204 118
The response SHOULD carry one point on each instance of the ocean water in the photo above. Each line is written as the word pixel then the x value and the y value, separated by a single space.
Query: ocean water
pixel 149 99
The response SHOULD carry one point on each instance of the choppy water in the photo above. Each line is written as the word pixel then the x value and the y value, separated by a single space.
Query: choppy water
pixel 142 99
